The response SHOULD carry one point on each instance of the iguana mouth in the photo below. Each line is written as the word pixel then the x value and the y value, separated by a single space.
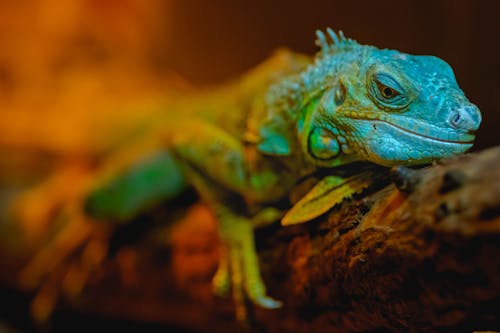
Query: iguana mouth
pixel 420 129
pixel 451 137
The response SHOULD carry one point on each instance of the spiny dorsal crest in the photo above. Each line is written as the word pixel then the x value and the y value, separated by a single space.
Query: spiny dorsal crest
pixel 338 42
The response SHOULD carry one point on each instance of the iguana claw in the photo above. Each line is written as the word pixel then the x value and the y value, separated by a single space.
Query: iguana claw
pixel 268 302
pixel 221 282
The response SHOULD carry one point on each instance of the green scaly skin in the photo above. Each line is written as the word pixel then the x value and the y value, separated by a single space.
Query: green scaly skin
pixel 243 147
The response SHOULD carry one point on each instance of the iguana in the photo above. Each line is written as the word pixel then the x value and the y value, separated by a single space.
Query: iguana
pixel 243 147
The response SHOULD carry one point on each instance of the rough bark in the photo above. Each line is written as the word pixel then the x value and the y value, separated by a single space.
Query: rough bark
pixel 422 256
pixel 425 258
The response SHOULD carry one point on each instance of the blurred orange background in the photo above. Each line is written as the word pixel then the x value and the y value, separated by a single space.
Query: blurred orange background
pixel 74 73
pixel 68 67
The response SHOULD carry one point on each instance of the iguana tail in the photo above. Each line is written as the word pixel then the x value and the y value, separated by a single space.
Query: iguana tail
pixel 141 185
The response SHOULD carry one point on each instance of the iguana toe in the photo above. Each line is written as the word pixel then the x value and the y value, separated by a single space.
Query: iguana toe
pixel 221 282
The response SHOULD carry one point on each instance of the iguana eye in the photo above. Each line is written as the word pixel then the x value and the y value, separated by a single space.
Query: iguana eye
pixel 387 92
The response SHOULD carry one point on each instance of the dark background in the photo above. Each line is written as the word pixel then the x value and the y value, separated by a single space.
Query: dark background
pixel 216 40
pixel 62 60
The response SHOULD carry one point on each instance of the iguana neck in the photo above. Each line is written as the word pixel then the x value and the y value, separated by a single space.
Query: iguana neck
pixel 286 98
pixel 287 104
pixel 291 93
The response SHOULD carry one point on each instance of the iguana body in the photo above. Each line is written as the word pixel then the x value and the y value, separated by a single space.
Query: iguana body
pixel 244 147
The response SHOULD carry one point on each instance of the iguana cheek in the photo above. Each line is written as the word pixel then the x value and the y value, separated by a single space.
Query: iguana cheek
pixel 322 144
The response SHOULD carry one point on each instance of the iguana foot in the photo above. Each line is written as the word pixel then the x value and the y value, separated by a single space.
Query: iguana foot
pixel 239 267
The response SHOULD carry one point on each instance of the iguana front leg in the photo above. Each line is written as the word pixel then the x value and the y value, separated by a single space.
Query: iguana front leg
pixel 215 164
pixel 238 269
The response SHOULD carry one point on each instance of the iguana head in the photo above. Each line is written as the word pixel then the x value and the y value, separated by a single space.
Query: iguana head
pixel 382 106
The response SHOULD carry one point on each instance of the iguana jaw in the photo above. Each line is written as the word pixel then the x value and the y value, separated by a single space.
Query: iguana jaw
pixel 385 143
pixel 445 137
pixel 419 129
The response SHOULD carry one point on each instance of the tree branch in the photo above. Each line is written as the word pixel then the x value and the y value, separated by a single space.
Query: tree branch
pixel 421 257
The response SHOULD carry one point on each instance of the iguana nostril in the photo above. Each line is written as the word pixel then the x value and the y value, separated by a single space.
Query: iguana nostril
pixel 466 118
pixel 455 120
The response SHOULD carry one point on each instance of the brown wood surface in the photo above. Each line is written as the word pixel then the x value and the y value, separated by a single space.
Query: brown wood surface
pixel 421 257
